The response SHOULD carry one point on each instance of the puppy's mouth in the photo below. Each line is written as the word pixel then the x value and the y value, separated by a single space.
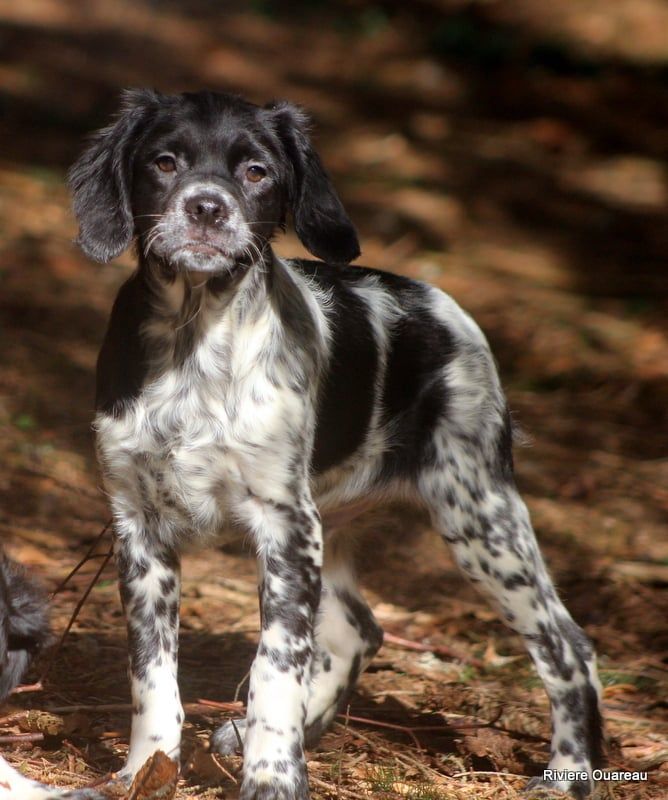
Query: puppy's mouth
pixel 203 249
pixel 197 256
pixel 184 248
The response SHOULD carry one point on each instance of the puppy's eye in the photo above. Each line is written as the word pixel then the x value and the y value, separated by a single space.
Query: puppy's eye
pixel 166 163
pixel 255 173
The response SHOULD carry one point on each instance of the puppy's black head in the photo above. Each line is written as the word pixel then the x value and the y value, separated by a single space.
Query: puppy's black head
pixel 204 180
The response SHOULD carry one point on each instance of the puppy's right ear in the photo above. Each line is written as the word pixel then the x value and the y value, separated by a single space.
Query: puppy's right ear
pixel 101 178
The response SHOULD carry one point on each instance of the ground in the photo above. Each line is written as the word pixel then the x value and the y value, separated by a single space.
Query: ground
pixel 513 155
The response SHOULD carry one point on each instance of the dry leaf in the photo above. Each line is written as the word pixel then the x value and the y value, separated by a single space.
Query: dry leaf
pixel 644 753
pixel 42 722
pixel 496 746
pixel 156 780
pixel 493 659
pixel 208 767
pixel 77 723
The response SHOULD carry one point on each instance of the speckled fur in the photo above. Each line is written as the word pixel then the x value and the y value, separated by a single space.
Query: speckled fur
pixel 269 392
pixel 24 628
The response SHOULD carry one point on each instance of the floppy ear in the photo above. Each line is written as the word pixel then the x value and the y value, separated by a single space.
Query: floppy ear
pixel 100 180
pixel 320 219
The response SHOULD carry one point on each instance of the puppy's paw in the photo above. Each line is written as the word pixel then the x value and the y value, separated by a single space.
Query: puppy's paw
pixel 539 788
pixel 290 786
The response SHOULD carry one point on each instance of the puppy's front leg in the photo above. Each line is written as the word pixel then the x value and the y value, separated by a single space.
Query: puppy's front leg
pixel 290 559
pixel 149 575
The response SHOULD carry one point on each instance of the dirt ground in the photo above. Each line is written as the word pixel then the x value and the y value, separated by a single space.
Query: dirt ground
pixel 513 154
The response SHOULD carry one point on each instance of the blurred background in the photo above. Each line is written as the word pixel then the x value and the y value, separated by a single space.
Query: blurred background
pixel 513 153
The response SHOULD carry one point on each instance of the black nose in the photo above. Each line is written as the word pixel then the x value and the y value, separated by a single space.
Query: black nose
pixel 206 209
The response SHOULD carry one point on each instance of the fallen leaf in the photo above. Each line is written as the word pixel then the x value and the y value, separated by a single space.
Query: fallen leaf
pixel 645 754
pixel 207 767
pixel 156 780
pixel 42 722
pixel 493 659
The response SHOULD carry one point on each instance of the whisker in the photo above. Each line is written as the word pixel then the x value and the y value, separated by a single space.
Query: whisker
pixel 152 238
pixel 194 316
pixel 262 222
pixel 153 235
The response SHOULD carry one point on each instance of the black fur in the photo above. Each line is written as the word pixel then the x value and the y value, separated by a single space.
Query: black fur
pixel 235 386
pixel 101 179
pixel 24 628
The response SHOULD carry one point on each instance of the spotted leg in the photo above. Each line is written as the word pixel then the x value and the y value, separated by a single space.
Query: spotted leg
pixel 479 513
pixel 149 576
pixel 289 541
pixel 346 639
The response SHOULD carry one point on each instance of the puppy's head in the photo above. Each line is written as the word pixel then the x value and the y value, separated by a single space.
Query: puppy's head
pixel 203 180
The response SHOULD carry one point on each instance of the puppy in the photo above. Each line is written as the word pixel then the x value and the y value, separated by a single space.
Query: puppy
pixel 24 628
pixel 287 396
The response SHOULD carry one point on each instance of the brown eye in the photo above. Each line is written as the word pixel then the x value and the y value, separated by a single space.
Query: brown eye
pixel 255 173
pixel 166 163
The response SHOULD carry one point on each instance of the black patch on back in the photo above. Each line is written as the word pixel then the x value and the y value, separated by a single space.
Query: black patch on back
pixel 415 393
pixel 503 469
pixel 347 389
pixel 121 365
pixel 414 396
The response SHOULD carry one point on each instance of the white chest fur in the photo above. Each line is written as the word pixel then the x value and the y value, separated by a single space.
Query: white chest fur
pixel 218 420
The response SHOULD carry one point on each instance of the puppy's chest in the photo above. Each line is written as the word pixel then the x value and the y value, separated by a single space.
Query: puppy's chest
pixel 203 432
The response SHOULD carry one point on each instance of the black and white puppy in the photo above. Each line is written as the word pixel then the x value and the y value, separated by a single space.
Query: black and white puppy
pixel 288 396
pixel 24 628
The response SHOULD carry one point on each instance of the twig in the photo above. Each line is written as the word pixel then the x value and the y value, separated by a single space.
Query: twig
pixel 18 738
pixel 343 740
pixel 235 705
pixel 389 725
pixel 412 729
pixel 75 613
pixel 240 684
pixel 102 708
pixel 190 708
pixel 440 650
pixel 413 763
pixel 336 790
pixel 236 699
pixel 28 687
pixel 223 770
pixel 63 484
pixel 375 746
pixel 87 557
pixel 74 749
pixel 486 773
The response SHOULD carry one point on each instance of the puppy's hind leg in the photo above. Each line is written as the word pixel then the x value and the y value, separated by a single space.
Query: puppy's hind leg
pixel 478 511
pixel 346 638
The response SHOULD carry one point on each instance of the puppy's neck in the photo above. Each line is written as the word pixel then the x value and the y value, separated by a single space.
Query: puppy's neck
pixel 177 293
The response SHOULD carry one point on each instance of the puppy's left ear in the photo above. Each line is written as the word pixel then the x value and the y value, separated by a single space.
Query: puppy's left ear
pixel 100 181
pixel 320 220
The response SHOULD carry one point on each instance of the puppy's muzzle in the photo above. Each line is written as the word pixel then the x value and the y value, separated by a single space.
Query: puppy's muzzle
pixel 204 230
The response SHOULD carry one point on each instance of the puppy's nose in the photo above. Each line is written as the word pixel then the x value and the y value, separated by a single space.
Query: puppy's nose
pixel 206 209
